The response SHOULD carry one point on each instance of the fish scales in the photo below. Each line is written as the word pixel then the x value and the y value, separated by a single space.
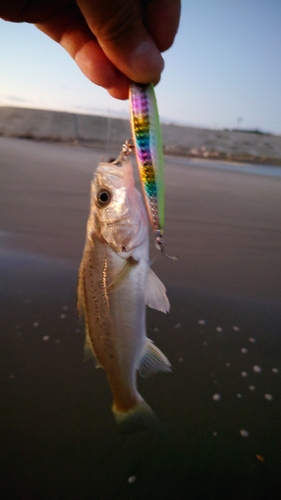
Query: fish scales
pixel 117 344
pixel 98 317
pixel 115 284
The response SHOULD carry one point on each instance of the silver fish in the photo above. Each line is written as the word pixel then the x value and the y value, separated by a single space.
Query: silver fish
pixel 115 285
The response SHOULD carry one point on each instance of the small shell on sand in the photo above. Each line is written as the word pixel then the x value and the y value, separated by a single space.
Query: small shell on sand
pixel 244 433
pixel 257 369
pixel 132 479
pixel 216 397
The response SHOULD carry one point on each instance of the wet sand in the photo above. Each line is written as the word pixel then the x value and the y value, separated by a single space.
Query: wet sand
pixel 221 404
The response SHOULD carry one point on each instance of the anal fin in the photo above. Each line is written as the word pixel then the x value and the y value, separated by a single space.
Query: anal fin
pixel 153 361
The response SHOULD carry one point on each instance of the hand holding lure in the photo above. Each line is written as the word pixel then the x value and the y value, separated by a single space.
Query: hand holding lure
pixel 147 138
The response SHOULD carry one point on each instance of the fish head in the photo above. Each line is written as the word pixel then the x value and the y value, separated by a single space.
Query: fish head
pixel 118 215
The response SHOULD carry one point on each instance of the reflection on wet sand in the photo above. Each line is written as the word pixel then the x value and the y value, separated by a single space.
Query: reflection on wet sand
pixel 221 404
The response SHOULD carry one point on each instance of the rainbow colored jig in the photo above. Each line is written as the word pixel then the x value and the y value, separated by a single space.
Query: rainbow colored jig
pixel 147 136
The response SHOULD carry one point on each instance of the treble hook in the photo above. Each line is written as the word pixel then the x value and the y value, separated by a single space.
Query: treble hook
pixel 160 243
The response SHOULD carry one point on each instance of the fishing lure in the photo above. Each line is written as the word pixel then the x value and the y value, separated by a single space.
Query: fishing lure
pixel 147 136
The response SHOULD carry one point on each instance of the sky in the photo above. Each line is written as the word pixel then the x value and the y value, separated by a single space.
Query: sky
pixel 223 71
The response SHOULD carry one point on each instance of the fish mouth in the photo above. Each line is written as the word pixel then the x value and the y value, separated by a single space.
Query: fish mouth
pixel 109 169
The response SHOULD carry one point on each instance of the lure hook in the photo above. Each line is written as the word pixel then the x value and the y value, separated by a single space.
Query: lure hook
pixel 127 149
pixel 160 244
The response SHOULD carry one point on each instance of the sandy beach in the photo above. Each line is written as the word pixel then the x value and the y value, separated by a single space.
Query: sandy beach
pixel 221 404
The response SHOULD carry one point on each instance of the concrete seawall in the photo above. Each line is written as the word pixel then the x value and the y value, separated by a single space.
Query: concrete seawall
pixel 97 131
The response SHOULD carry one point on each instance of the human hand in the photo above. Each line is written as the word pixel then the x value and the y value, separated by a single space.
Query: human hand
pixel 112 41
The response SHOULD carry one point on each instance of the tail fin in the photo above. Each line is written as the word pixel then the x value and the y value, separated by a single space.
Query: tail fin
pixel 141 416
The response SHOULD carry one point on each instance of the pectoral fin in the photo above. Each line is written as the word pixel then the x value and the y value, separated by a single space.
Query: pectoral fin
pixel 116 280
pixel 153 361
pixel 155 293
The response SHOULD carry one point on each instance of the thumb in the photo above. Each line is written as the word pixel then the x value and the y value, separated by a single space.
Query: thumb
pixel 120 31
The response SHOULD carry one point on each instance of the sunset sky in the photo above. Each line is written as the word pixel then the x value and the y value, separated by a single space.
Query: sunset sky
pixel 224 69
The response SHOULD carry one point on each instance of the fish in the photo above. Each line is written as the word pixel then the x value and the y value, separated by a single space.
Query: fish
pixel 147 137
pixel 115 284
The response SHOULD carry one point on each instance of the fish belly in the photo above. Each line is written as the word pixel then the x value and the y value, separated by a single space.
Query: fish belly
pixel 114 311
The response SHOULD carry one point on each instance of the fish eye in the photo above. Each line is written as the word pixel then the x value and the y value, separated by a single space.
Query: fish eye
pixel 103 198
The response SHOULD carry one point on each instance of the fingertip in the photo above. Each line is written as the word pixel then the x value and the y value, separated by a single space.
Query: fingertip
pixel 146 63
pixel 128 44
pixel 119 92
